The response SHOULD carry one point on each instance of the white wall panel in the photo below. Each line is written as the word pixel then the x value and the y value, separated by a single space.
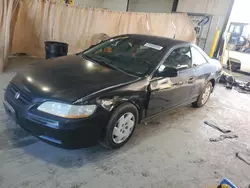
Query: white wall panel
pixel 115 5
pixel 217 8
pixel 156 6
pixel 90 3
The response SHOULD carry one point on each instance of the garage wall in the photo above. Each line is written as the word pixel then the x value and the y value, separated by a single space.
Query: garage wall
pixel 90 3
pixel 156 6
pixel 115 5
pixel 217 8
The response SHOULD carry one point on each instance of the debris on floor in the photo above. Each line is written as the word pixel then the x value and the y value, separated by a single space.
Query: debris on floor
pixel 244 87
pixel 145 173
pixel 213 125
pixel 230 81
pixel 198 161
pixel 222 137
pixel 243 158
pixel 152 122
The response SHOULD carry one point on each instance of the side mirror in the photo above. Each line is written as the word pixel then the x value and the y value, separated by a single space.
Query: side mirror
pixel 168 72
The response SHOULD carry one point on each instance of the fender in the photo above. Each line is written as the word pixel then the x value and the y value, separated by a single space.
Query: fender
pixel 136 94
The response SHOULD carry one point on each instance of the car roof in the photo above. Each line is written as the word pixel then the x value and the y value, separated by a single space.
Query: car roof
pixel 163 41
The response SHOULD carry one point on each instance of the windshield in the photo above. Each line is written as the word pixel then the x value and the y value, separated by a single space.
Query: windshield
pixel 131 55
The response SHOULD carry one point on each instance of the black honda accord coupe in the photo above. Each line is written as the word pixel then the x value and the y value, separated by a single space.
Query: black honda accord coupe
pixel 102 93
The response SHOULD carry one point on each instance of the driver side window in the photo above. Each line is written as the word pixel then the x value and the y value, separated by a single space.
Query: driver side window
pixel 179 59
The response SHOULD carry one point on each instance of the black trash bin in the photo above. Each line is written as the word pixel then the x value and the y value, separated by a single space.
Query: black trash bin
pixel 55 49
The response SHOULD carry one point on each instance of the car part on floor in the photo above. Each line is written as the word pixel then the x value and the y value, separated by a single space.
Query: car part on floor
pixel 228 80
pixel 217 127
pixel 241 157
pixel 241 87
pixel 222 137
pixel 244 86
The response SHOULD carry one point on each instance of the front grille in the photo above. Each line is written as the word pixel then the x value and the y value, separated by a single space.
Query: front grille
pixel 23 99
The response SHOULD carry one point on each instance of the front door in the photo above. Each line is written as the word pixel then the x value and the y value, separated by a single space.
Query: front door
pixel 167 93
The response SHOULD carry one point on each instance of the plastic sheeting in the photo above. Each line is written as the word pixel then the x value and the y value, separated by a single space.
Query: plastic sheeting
pixel 39 21
pixel 7 10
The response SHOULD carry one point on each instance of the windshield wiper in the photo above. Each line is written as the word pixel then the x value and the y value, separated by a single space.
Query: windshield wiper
pixel 102 61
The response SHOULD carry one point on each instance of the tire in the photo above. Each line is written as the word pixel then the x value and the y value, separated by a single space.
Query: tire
pixel 109 139
pixel 233 68
pixel 228 66
pixel 200 101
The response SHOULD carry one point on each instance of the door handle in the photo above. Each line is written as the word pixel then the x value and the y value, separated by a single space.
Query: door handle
pixel 191 80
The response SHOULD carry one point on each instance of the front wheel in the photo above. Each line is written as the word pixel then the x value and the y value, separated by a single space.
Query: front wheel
pixel 204 96
pixel 120 127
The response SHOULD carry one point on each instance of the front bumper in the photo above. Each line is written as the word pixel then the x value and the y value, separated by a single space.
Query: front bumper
pixel 61 132
pixel 87 133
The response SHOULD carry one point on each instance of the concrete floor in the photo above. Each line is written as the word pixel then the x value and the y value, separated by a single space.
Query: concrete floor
pixel 173 150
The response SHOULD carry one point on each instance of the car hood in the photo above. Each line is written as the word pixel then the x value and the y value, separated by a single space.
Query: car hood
pixel 69 78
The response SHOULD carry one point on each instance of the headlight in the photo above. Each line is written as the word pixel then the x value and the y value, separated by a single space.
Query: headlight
pixel 67 110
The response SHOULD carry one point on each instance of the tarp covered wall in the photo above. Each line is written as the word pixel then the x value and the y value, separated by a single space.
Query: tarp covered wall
pixel 39 21
pixel 7 13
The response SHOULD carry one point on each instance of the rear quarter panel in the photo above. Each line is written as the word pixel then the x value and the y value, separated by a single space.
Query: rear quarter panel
pixel 205 73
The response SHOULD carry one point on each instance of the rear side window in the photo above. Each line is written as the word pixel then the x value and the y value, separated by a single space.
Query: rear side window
pixel 180 58
pixel 198 58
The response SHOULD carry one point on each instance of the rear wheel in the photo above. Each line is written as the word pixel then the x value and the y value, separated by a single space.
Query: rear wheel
pixel 204 96
pixel 234 66
pixel 120 127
